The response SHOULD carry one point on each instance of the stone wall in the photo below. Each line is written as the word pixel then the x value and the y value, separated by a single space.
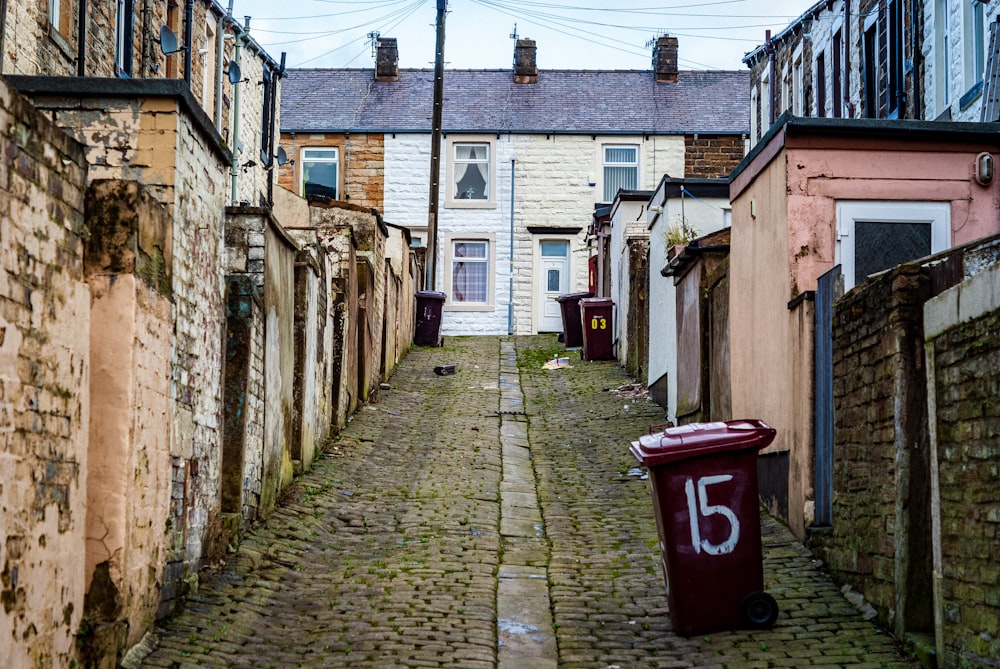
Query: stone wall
pixel 362 162
pixel 712 156
pixel 963 359
pixel 44 378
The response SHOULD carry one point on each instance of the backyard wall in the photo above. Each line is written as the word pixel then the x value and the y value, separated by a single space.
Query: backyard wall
pixel 44 378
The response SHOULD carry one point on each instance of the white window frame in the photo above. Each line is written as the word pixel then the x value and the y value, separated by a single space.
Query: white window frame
pixel 302 167
pixel 973 31
pixel 491 263
pixel 605 164
pixel 453 202
pixel 755 111
pixel 849 212
pixel 767 101
pixel 124 30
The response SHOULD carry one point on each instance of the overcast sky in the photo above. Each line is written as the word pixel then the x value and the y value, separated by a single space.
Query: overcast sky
pixel 571 34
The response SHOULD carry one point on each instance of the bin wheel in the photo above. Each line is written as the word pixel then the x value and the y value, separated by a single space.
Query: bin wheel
pixel 759 610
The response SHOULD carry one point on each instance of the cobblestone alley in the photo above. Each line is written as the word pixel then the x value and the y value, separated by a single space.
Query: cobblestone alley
pixel 489 518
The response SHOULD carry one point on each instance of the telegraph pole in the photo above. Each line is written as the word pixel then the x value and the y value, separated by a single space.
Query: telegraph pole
pixel 432 209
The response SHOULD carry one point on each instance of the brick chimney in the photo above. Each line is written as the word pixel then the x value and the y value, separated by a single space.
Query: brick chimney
pixel 665 60
pixel 386 59
pixel 525 62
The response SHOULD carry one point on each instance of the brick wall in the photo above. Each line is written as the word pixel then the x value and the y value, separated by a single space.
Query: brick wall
pixel 709 157
pixel 879 540
pixel 44 376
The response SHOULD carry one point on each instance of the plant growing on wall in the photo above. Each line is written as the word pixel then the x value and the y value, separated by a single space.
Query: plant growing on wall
pixel 679 234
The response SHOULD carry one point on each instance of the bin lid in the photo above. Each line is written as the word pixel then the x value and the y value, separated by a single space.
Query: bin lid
pixel 698 439
pixel 573 296
pixel 596 301
pixel 431 294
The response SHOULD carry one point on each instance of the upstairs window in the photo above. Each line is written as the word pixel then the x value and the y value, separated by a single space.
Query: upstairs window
pixel 821 85
pixel 123 37
pixel 321 173
pixel 870 55
pixel 896 93
pixel 472 172
pixel 60 16
pixel 621 170
pixel 471 178
pixel 837 75
pixel 974 40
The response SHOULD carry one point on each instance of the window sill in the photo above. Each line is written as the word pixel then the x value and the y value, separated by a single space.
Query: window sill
pixel 470 204
pixel 458 306
pixel 971 95
pixel 61 42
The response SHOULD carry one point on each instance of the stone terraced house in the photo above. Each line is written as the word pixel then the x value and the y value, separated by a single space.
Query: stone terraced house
pixel 526 154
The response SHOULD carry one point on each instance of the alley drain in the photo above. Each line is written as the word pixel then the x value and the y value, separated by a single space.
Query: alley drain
pixel 524 615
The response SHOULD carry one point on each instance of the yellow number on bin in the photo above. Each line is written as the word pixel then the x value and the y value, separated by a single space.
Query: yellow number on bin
pixel 597 323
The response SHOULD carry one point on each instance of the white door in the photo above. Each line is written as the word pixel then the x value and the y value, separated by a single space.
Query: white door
pixel 553 282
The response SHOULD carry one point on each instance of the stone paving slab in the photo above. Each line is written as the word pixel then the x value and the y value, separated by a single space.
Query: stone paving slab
pixel 388 554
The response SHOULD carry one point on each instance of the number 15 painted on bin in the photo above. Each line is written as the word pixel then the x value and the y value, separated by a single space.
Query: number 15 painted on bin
pixel 705 509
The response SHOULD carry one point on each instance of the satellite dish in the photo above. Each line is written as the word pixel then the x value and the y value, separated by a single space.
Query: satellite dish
pixel 282 157
pixel 168 41
pixel 234 73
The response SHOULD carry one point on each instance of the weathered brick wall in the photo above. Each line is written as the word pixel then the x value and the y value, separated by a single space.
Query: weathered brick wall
pixel 334 237
pixel 44 376
pixel 711 156
pixel 362 162
pixel 967 358
pixel 879 539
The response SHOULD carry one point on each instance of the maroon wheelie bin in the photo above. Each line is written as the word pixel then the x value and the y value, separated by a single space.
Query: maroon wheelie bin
pixel 569 307
pixel 595 314
pixel 704 483
pixel 429 306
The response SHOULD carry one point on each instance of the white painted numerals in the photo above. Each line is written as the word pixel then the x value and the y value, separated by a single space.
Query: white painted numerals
pixel 705 509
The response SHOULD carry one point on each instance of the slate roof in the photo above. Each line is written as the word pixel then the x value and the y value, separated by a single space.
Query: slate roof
pixel 563 101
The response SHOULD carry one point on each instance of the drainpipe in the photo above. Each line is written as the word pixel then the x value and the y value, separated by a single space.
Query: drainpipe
pixel 771 82
pixel 937 552
pixel 188 37
pixel 81 40
pixel 234 169
pixel 3 29
pixel 510 258
pixel 915 56
pixel 847 59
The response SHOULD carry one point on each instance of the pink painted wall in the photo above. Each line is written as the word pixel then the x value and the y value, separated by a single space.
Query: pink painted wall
pixel 784 237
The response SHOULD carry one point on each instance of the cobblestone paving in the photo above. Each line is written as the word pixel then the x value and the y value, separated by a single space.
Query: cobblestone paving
pixel 387 554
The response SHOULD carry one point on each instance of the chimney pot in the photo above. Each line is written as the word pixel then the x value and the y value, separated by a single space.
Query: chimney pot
pixel 386 59
pixel 525 62
pixel 665 60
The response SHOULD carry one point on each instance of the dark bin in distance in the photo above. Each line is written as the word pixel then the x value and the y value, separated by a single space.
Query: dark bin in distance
pixel 704 483
pixel 569 304
pixel 429 304
pixel 595 314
